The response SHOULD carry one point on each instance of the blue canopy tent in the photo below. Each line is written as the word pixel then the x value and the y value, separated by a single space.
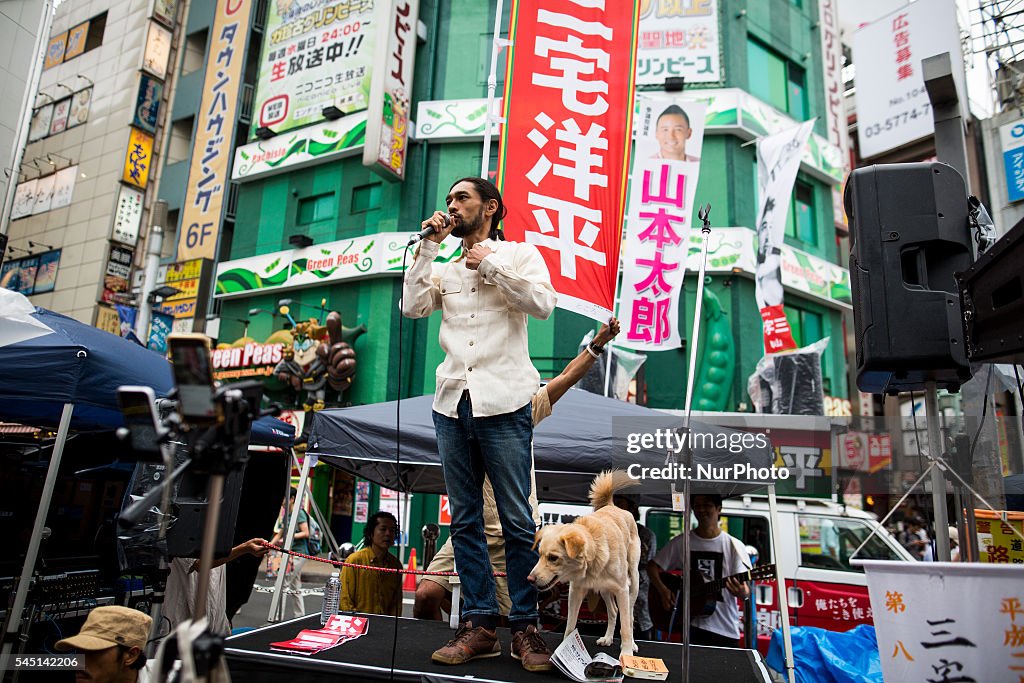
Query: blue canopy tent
pixel 57 371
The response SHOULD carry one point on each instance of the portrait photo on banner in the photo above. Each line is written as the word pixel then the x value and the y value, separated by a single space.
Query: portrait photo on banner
pixel 669 128
pixel 669 134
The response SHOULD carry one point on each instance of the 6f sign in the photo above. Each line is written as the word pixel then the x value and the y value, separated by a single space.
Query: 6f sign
pixel 195 236
pixel 209 176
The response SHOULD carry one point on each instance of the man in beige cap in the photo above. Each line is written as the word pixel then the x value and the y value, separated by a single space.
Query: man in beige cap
pixel 112 641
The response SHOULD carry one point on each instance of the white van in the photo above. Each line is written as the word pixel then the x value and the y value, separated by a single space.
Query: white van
pixel 814 543
pixel 824 589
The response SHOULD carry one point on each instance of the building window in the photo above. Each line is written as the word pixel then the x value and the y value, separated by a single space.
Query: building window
pixel 801 223
pixel 797 92
pixel 316 208
pixel 179 144
pixel 195 52
pixel 97 25
pixel 766 75
pixel 806 325
pixel 366 198
pixel 775 80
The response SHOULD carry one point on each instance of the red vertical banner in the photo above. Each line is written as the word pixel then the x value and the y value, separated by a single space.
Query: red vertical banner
pixel 777 334
pixel 565 144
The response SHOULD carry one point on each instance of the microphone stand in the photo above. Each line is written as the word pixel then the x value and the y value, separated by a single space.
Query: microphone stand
pixel 703 213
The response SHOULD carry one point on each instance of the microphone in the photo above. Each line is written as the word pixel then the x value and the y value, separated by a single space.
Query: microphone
pixel 426 232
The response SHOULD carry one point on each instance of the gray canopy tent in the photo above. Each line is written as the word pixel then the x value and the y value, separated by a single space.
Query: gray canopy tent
pixel 585 434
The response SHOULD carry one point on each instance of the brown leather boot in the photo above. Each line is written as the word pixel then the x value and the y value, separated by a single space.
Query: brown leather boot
pixel 468 643
pixel 530 649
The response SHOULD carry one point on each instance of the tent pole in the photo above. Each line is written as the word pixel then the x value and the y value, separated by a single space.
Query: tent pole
pixel 787 642
pixel 13 624
pixel 276 603
pixel 321 519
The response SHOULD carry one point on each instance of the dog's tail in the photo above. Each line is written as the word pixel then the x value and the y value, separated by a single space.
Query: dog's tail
pixel 604 486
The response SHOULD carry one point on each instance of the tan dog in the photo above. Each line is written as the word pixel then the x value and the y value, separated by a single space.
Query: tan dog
pixel 598 552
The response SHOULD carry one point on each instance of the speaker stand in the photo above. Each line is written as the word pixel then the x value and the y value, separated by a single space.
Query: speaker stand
pixel 931 402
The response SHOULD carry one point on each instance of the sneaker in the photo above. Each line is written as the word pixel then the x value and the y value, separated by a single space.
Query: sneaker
pixel 530 649
pixel 468 643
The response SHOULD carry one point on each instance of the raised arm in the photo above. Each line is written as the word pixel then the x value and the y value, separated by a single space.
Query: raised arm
pixel 524 282
pixel 579 365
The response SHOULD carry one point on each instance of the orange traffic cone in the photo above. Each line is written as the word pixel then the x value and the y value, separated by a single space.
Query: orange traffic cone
pixel 410 579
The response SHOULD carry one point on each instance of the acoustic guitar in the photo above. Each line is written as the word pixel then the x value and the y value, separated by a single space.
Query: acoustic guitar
pixel 703 594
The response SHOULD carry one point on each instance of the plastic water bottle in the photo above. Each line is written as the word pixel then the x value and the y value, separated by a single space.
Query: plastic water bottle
pixel 332 591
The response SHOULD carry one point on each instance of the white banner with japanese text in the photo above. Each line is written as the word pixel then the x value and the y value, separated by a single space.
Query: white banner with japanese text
pixel 680 40
pixel 565 146
pixel 208 176
pixel 893 108
pixel 974 633
pixel 665 173
pixel 778 159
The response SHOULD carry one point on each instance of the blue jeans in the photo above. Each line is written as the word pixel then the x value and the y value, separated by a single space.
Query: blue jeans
pixel 498 446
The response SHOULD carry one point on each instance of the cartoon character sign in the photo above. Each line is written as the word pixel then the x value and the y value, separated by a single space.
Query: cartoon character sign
pixel 319 356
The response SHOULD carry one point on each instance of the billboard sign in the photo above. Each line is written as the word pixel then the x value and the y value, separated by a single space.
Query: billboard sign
pixel 387 123
pixel 893 108
pixel 678 39
pixel 1011 138
pixel 215 132
pixel 316 55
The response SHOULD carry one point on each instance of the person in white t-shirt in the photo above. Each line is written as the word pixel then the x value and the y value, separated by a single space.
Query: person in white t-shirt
pixel 716 555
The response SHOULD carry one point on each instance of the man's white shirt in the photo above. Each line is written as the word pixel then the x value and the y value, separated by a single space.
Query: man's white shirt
pixel 483 329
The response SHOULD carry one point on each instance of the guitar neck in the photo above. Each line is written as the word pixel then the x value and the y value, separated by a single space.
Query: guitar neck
pixel 749 575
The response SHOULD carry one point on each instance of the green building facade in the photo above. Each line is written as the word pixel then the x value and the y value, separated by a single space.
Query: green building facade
pixel 770 62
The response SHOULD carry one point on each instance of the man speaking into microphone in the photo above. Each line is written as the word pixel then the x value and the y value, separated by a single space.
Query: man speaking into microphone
pixel 482 411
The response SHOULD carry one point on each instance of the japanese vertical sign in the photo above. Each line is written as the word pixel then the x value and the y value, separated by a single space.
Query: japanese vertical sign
pixel 138 158
pixel 565 148
pixel 1011 139
pixel 978 635
pixel 679 39
pixel 893 108
pixel 835 111
pixel 317 54
pixel 215 132
pixel 778 159
pixel 387 121
pixel 668 145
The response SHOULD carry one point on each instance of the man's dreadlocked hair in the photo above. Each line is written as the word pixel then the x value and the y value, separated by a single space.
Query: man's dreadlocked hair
pixel 487 190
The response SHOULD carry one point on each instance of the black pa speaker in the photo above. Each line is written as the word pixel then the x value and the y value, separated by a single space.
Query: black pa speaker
pixel 992 296
pixel 909 235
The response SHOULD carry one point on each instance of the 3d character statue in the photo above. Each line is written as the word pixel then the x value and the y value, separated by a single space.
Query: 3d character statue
pixel 319 356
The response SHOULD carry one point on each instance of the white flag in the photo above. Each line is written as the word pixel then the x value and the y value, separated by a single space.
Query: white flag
pixel 947 621
pixel 778 159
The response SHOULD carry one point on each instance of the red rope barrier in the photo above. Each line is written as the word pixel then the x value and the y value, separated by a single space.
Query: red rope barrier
pixel 338 563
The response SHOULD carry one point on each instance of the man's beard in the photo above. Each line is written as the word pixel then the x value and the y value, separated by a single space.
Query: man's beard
pixel 465 226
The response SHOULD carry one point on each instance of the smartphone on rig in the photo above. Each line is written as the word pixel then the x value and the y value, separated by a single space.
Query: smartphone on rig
pixel 193 375
pixel 138 406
